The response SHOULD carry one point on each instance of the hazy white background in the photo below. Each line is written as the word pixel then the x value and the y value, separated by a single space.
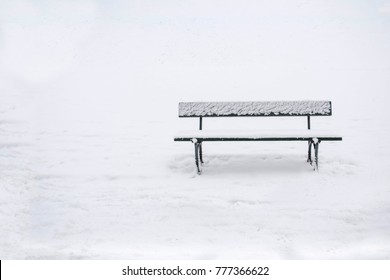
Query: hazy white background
pixel 83 53
pixel 88 107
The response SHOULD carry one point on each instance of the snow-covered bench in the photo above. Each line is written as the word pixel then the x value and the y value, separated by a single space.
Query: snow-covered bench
pixel 256 109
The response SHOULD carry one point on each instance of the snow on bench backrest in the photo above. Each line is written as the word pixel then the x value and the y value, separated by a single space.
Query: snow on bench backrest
pixel 267 108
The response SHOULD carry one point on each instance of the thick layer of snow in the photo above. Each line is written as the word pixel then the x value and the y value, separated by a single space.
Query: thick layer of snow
pixel 265 108
pixel 106 188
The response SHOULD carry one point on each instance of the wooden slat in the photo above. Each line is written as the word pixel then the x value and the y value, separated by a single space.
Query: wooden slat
pixel 252 109
pixel 258 139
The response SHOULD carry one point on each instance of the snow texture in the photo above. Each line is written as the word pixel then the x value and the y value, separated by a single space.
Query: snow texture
pixel 267 133
pixel 292 108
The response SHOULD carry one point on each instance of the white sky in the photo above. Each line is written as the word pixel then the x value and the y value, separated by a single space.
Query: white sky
pixel 145 52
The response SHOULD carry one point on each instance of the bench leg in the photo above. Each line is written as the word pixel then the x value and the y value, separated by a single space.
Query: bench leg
pixel 309 160
pixel 197 157
pixel 316 146
pixel 200 153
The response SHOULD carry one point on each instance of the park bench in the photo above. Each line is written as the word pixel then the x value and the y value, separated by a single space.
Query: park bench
pixel 256 109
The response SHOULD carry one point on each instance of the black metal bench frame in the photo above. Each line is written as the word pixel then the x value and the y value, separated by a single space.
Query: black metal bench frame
pixel 312 141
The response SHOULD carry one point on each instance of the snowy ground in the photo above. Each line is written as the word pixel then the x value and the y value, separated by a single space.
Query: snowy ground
pixel 106 190
pixel 89 96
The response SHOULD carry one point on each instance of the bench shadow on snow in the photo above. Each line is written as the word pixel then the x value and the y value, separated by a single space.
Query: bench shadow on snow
pixel 243 164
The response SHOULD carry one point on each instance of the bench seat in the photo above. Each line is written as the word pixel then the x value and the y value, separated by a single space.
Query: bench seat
pixel 256 135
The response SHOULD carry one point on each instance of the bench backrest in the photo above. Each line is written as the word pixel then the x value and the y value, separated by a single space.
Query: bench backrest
pixel 255 109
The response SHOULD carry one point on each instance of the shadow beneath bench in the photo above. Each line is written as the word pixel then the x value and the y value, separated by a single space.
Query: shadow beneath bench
pixel 245 164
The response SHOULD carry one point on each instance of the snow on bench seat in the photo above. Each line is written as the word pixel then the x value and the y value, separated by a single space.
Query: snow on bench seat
pixel 257 135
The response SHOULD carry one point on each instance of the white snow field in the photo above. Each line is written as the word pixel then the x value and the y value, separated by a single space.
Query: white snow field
pixel 89 99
